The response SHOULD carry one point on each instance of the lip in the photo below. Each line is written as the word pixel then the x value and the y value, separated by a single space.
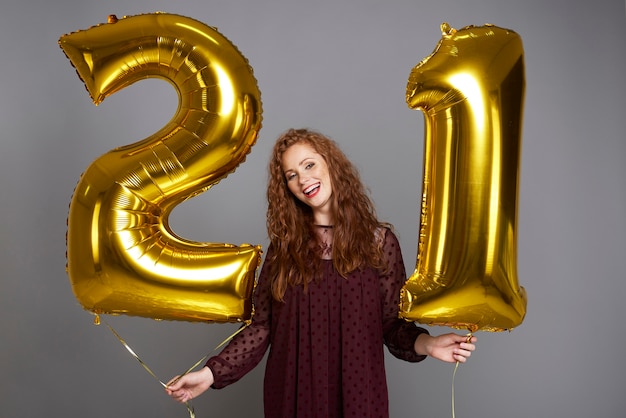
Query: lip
pixel 311 190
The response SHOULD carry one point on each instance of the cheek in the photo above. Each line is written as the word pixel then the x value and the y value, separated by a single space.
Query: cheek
pixel 292 187
pixel 327 179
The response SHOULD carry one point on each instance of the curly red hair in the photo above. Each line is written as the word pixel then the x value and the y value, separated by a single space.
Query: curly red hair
pixel 294 259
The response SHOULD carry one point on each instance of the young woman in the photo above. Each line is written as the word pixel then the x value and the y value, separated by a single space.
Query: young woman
pixel 327 297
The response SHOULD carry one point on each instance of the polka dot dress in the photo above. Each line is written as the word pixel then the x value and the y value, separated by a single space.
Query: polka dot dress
pixel 326 354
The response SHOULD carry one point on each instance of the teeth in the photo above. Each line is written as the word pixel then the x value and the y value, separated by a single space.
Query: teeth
pixel 308 190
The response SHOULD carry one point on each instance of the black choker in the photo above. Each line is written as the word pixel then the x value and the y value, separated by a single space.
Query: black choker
pixel 323 226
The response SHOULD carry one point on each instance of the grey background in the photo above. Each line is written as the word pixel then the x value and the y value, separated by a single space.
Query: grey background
pixel 340 67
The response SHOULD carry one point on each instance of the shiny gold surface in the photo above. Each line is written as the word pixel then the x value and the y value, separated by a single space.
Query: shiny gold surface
pixel 471 92
pixel 122 257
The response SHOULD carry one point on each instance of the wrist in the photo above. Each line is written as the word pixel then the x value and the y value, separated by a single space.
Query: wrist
pixel 422 344
pixel 210 375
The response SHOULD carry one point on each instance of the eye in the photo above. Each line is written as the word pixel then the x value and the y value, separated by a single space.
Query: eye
pixel 309 165
pixel 289 176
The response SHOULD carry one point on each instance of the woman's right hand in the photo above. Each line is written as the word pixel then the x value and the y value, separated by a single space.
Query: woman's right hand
pixel 183 389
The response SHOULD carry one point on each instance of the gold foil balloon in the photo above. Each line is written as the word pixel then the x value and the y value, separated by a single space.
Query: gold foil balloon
pixel 122 257
pixel 471 92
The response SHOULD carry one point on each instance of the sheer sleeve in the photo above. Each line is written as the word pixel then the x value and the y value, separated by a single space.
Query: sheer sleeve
pixel 399 335
pixel 248 347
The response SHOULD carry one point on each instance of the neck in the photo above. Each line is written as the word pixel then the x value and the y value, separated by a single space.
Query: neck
pixel 322 219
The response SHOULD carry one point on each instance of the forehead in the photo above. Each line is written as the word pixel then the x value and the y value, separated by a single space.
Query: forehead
pixel 297 154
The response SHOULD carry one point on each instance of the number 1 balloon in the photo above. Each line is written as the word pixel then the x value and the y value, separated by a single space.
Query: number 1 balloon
pixel 471 91
pixel 122 257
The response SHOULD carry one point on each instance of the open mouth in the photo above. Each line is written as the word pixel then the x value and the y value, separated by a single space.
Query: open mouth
pixel 311 190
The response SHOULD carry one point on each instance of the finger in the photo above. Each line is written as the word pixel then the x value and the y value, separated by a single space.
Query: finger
pixel 460 358
pixel 175 383
pixel 462 353
pixel 185 398
pixel 180 396
pixel 467 346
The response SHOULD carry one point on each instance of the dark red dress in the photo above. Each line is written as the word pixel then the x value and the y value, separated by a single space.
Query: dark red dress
pixel 326 345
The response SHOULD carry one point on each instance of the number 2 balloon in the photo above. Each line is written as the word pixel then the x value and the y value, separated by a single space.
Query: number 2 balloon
pixel 122 257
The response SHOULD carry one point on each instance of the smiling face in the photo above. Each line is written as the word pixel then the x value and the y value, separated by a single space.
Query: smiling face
pixel 308 179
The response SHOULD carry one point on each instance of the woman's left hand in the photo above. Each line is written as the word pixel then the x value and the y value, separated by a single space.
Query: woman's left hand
pixel 447 347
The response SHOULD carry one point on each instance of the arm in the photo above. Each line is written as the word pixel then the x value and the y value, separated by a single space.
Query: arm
pixel 241 354
pixel 399 335
pixel 404 339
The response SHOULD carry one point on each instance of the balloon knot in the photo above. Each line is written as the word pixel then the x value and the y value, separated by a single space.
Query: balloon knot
pixel 447 30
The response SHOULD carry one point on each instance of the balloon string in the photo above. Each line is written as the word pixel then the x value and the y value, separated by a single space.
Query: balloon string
pixel 188 405
pixel 130 350
pixel 456 366
pixel 207 355
pixel 190 408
